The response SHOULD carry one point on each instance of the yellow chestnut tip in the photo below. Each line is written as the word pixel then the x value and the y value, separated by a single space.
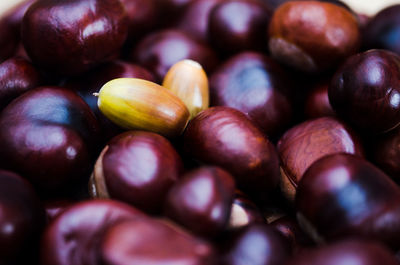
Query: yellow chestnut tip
pixel 192 63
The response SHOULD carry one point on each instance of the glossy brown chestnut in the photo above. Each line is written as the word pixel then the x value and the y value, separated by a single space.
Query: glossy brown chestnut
pixel 159 51
pixel 254 84
pixel 313 36
pixel 137 167
pixel 22 218
pixel 74 237
pixel 365 91
pixel 346 252
pixel 202 200
pixel 225 137
pixel 47 136
pixel 317 102
pixel 257 244
pixel 343 195
pixel 71 37
pixel 305 143
pixel 17 76
pixel 383 30
pixel 153 242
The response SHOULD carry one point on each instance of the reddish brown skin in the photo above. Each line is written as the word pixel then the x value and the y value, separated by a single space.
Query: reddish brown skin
pixel 365 91
pixel 139 168
pixel 326 32
pixel 254 84
pixel 346 252
pixel 202 200
pixel 343 195
pixel 160 50
pixel 22 218
pixel 17 76
pixel 317 102
pixel 74 237
pixel 93 81
pixel 47 136
pixel 225 137
pixel 305 143
pixel 195 19
pixel 239 25
pixel 153 242
pixel 62 37
pixel 257 244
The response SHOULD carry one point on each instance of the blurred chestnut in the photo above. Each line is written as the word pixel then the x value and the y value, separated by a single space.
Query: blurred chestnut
pixel 342 195
pixel 71 37
pixel 257 86
pixel 202 200
pixel 257 245
pixel 383 30
pixel 153 242
pixel 317 102
pixel 138 168
pixel 47 136
pixel 160 50
pixel 22 218
pixel 305 143
pixel 225 137
pixel 172 9
pixel 313 36
pixel 365 91
pixel 350 251
pixel 17 76
pixel 239 25
pixel 74 237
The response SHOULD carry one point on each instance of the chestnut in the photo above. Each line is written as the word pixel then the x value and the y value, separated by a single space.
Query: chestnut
pixel 313 36
pixel 239 25
pixel 48 135
pixel 317 101
pixel 136 167
pixel 365 91
pixel 22 218
pixel 257 244
pixel 383 30
pixel 71 37
pixel 17 76
pixel 160 50
pixel 225 137
pixel 350 251
pixel 254 84
pixel 201 201
pixel 149 241
pixel 343 195
pixel 74 237
pixel 305 143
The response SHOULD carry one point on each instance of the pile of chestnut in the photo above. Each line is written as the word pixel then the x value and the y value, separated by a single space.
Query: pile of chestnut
pixel 199 132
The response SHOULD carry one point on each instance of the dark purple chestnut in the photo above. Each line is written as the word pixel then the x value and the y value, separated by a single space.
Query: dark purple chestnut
pixel 160 50
pixel 71 37
pixel 17 76
pixel 201 201
pixel 305 143
pixel 48 135
pixel 317 102
pixel 350 251
pixel 256 85
pixel 225 137
pixel 150 241
pixel 92 82
pixel 172 9
pixel 383 30
pixel 365 91
pixel 257 244
pixel 74 237
pixel 239 25
pixel 244 212
pixel 21 220
pixel 343 195
pixel 137 167
pixel 195 19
